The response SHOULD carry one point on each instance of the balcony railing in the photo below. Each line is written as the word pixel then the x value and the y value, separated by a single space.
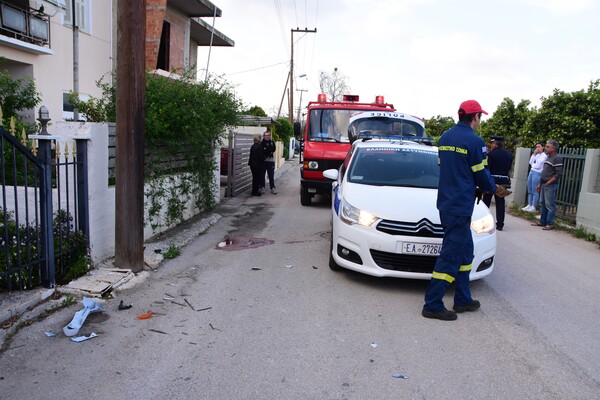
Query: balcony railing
pixel 25 24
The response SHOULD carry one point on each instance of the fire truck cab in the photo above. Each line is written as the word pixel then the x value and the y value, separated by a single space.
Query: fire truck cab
pixel 326 142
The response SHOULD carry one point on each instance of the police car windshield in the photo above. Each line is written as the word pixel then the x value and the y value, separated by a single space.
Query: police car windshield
pixel 329 125
pixel 395 166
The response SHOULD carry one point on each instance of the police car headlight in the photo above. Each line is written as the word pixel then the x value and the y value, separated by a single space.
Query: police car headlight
pixel 352 215
pixel 483 225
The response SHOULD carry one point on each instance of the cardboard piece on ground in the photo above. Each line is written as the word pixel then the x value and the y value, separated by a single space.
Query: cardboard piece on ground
pixel 101 281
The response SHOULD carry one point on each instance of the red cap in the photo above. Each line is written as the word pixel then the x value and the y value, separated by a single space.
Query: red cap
pixel 470 107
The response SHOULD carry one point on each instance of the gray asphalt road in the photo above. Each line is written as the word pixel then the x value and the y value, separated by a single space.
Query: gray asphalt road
pixel 265 318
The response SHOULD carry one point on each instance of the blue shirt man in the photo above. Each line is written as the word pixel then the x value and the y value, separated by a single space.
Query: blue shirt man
pixel 462 171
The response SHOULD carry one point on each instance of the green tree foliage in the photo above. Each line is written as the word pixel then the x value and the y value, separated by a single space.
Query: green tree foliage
pixel 573 119
pixel 509 122
pixel 16 95
pixel 98 110
pixel 435 126
pixel 255 111
pixel 284 131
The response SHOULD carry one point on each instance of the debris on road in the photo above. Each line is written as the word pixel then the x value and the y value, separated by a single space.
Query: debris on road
pixel 50 334
pixel 124 307
pixel 255 269
pixel 145 316
pixel 157 331
pixel 89 306
pixel 374 345
pixel 400 376
pixel 82 338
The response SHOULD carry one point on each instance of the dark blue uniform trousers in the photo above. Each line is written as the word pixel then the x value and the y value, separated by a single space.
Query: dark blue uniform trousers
pixel 453 265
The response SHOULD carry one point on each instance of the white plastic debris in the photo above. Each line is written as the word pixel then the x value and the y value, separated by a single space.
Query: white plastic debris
pixel 374 345
pixel 50 334
pixel 89 306
pixel 400 376
pixel 289 266
pixel 82 338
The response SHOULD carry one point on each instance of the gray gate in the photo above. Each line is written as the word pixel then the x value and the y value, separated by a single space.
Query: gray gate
pixel 239 176
pixel 44 210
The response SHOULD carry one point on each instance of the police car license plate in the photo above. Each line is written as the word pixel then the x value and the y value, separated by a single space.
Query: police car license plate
pixel 421 249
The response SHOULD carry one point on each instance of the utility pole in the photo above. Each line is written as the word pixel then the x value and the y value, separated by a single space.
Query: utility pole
pixel 75 56
pixel 131 89
pixel 300 104
pixel 292 71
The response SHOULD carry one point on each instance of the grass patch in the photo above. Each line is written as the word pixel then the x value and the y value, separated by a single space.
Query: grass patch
pixel 172 252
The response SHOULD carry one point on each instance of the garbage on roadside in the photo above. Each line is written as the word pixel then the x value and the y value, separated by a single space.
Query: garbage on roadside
pixel 145 316
pixel 82 338
pixel 374 345
pixel 50 334
pixel 89 306
pixel 400 376
pixel 124 307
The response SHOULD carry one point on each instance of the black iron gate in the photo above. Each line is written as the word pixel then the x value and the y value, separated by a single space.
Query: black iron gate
pixel 44 210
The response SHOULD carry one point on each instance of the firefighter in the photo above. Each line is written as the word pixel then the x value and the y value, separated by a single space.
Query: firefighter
pixel 499 162
pixel 462 171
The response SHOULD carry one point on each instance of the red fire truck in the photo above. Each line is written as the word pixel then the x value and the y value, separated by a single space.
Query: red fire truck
pixel 325 141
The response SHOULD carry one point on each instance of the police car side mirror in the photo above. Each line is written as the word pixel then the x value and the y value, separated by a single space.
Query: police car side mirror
pixel 331 174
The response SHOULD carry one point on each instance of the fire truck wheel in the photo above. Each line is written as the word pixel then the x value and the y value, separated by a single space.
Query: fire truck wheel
pixel 304 197
pixel 332 263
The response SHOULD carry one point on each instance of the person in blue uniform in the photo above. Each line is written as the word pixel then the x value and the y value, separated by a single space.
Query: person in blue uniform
pixel 499 162
pixel 462 172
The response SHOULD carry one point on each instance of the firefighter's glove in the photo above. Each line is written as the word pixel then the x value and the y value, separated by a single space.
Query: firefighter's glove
pixel 501 191
pixel 478 195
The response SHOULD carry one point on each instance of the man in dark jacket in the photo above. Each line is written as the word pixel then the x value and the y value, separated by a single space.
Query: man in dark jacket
pixel 268 146
pixel 499 162
pixel 256 161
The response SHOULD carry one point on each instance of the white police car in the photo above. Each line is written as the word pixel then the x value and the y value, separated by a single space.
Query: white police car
pixel 384 216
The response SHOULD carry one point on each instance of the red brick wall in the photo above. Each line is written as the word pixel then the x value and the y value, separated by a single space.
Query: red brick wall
pixel 155 15
pixel 178 36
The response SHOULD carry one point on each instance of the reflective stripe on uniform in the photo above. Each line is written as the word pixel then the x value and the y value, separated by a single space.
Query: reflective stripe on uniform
pixel 477 167
pixel 441 276
pixel 464 268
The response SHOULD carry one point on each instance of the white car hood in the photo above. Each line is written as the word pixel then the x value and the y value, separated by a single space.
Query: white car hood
pixel 399 203
pixel 394 203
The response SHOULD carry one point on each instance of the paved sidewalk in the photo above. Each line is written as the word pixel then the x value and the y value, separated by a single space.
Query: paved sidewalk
pixel 25 305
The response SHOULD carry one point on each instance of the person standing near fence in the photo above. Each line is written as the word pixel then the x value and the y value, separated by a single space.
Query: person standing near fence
pixel 268 146
pixel 537 164
pixel 256 161
pixel 551 174
pixel 499 162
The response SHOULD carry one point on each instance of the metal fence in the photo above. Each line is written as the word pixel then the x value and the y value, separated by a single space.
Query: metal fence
pixel 569 186
pixel 37 245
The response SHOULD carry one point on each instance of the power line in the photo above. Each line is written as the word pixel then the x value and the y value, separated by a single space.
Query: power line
pixel 258 68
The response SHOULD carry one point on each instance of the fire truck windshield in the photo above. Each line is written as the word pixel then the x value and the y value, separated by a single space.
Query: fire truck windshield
pixel 330 125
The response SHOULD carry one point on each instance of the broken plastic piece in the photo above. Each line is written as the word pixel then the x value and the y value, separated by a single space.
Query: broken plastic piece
pixel 76 323
pixel 145 316
pixel 289 266
pixel 124 307
pixel 374 345
pixel 82 338
pixel 255 269
pixel 50 334
pixel 400 376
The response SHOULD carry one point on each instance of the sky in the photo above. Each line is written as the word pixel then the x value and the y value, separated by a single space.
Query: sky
pixel 424 56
